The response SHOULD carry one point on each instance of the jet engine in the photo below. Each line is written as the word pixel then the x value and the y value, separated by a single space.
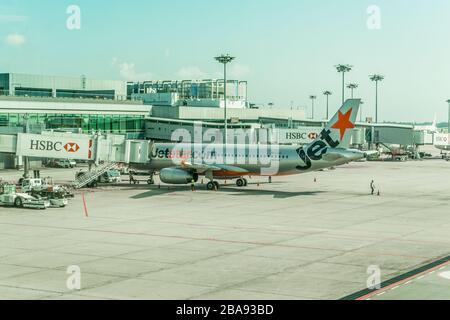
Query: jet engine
pixel 177 176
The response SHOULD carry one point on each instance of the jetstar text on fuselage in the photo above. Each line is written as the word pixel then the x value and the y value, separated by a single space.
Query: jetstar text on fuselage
pixel 316 150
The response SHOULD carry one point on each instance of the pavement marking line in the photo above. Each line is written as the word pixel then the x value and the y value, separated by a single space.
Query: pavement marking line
pixel 257 243
pixel 84 206
pixel 445 275
pixel 418 276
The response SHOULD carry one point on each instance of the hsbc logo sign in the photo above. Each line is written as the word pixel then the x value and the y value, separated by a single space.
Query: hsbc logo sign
pixel 80 147
pixel 301 135
pixel 43 145
pixel 71 147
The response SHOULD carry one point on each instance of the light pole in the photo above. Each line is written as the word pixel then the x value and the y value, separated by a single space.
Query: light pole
pixel 352 86
pixel 224 59
pixel 376 78
pixel 327 94
pixel 448 101
pixel 360 111
pixel 26 160
pixel 343 68
pixel 312 97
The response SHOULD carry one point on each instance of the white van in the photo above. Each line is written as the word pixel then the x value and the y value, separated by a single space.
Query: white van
pixel 66 163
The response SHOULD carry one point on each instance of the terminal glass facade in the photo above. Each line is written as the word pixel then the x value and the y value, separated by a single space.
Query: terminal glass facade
pixel 119 124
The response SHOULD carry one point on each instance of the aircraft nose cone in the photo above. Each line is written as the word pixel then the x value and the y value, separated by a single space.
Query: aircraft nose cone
pixel 355 155
pixel 358 155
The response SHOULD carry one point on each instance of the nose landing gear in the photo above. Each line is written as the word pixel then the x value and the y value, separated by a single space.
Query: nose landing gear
pixel 212 185
pixel 241 182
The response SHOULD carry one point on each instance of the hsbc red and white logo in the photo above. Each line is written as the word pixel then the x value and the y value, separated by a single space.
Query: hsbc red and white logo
pixel 301 135
pixel 40 146
pixel 71 147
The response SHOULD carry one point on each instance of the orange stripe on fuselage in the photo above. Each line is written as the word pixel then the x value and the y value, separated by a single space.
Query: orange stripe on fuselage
pixel 241 174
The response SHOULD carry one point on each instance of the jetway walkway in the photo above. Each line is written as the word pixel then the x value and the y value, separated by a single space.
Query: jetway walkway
pixel 103 150
pixel 8 143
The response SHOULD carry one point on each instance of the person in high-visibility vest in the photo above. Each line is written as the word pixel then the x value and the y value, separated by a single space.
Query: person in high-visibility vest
pixel 372 187
pixel 193 185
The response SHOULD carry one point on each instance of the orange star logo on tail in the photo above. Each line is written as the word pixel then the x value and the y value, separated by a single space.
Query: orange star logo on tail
pixel 344 122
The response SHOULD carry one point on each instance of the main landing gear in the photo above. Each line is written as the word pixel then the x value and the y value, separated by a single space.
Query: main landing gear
pixel 151 179
pixel 241 182
pixel 212 185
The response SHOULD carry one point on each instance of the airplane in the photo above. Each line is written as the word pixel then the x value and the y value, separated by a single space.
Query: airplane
pixel 430 129
pixel 178 164
pixel 442 141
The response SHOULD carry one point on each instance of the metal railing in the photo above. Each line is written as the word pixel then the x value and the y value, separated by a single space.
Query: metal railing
pixel 93 175
pixel 47 94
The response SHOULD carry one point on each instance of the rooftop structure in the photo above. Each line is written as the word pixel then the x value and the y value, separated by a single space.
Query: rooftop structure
pixel 85 115
pixel 28 85
pixel 194 93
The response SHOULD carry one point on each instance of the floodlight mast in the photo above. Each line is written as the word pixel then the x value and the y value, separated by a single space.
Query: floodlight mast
pixel 448 101
pixel 352 87
pixel 376 78
pixel 225 59
pixel 312 97
pixel 343 68
pixel 327 94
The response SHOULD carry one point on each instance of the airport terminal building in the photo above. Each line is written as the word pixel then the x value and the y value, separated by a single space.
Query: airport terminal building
pixel 153 110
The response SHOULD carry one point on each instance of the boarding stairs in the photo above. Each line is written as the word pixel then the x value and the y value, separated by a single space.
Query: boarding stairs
pixel 93 175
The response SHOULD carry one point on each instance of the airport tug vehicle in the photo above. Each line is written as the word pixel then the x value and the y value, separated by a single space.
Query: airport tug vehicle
pixel 45 189
pixel 10 197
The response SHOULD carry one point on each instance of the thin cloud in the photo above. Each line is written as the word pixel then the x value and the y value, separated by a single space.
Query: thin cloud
pixel 15 39
pixel 128 71
pixel 12 18
pixel 191 73
pixel 239 71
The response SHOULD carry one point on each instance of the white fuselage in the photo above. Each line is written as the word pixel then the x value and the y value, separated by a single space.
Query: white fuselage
pixel 250 160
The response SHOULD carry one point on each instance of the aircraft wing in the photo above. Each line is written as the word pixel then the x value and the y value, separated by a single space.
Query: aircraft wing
pixel 202 168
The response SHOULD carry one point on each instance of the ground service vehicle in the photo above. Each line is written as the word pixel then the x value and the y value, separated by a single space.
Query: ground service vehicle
pixel 9 197
pixel 110 176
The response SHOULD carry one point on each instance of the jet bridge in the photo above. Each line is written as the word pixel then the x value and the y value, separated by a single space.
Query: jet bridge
pixel 95 148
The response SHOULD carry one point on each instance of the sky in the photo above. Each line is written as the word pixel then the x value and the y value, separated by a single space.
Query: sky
pixel 285 49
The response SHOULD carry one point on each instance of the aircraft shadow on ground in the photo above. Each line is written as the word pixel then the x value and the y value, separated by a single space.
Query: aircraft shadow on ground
pixel 248 191
pixel 275 194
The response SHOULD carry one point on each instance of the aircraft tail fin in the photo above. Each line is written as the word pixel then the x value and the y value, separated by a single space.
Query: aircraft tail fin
pixel 337 132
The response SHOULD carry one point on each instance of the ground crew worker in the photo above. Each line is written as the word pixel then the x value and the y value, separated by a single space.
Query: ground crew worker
pixel 193 185
pixel 372 187
pixel 131 177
